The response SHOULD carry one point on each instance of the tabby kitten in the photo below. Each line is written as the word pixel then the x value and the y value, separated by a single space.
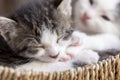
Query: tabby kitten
pixel 38 35
pixel 35 32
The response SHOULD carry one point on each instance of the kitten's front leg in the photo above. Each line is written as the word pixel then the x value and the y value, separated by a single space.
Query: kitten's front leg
pixel 82 56
pixel 86 57
pixel 99 42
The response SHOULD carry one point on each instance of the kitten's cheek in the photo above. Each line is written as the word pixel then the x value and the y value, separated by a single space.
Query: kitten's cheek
pixel 40 53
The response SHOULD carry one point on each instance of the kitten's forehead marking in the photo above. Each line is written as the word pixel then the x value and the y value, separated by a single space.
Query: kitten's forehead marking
pixel 48 37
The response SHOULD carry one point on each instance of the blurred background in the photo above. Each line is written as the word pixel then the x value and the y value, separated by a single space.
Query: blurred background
pixel 8 6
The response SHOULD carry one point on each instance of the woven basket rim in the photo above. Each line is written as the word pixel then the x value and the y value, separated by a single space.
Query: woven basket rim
pixel 93 66
pixel 108 69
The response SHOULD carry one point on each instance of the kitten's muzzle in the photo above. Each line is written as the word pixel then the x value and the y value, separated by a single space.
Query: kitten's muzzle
pixel 85 17
pixel 54 56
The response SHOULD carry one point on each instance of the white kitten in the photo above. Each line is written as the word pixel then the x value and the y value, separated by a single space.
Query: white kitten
pixel 97 16
pixel 101 42
pixel 100 17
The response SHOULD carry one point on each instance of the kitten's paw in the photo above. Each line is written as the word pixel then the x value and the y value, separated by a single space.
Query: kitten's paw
pixel 65 58
pixel 73 51
pixel 77 38
pixel 75 41
pixel 87 57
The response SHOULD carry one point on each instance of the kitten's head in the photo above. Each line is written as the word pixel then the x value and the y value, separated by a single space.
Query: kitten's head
pixel 37 29
pixel 97 16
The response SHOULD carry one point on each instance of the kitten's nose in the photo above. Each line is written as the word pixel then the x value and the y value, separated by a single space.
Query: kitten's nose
pixel 85 17
pixel 54 56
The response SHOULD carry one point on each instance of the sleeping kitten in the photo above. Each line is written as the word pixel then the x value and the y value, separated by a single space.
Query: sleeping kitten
pixel 38 35
pixel 35 30
pixel 97 16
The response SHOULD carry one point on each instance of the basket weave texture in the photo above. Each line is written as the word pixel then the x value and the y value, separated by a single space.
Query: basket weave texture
pixel 106 70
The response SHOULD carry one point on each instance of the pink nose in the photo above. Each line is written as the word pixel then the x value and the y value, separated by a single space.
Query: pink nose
pixel 54 56
pixel 85 17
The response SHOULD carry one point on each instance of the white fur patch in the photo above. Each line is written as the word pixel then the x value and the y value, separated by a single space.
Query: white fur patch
pixel 97 24
pixel 46 67
pixel 86 57
pixel 48 38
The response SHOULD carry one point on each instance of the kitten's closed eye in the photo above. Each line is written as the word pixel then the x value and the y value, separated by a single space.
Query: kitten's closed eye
pixel 64 37
pixel 39 46
pixel 105 17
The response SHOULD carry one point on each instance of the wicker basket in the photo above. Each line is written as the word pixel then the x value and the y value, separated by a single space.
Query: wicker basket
pixel 106 70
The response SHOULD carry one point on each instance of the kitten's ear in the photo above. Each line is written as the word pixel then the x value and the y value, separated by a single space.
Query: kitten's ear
pixel 7 28
pixel 65 7
pixel 57 3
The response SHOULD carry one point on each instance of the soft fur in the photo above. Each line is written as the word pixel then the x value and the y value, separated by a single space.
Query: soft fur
pixel 99 18
pixel 104 16
pixel 36 32
pixel 39 37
